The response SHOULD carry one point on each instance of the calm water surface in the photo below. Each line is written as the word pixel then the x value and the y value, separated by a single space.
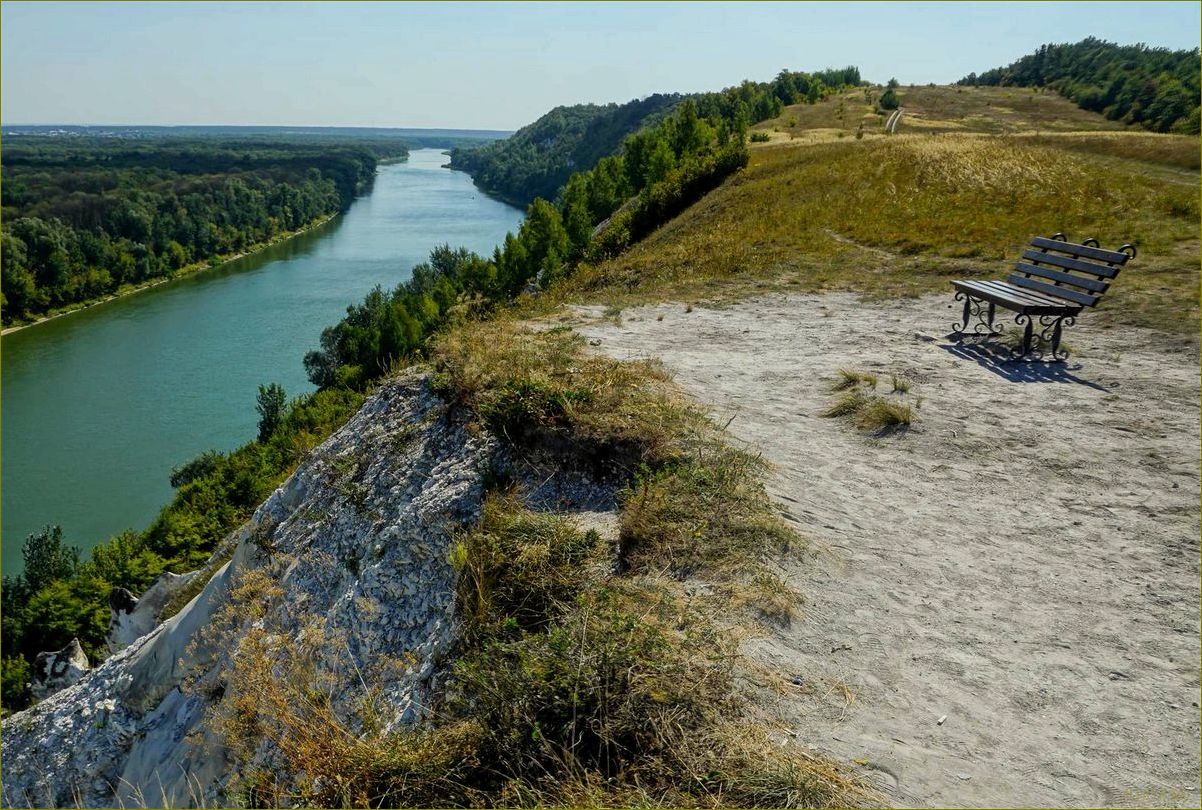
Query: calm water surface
pixel 100 405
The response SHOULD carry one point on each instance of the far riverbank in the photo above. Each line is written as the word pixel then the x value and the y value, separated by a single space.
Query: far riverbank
pixel 183 272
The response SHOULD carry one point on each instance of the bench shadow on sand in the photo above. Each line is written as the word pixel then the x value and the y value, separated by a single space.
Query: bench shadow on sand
pixel 997 362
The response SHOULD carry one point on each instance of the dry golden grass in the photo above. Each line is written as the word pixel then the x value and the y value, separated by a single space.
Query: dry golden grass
pixel 939 109
pixel 906 214
pixel 1176 151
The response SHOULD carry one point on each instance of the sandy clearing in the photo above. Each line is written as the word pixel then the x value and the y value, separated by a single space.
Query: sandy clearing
pixel 1025 562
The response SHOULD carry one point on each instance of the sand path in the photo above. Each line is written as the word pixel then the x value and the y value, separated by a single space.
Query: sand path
pixel 1024 563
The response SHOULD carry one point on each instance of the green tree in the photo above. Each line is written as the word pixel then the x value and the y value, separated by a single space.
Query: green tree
pixel 576 218
pixel 48 558
pixel 270 404
pixel 15 674
pixel 547 242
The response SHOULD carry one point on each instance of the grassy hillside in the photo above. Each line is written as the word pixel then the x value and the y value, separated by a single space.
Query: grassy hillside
pixel 1155 88
pixel 540 157
pixel 905 214
pixel 984 110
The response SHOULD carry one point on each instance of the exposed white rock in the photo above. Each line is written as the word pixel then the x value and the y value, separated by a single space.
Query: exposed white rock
pixel 365 526
pixel 132 617
pixel 53 671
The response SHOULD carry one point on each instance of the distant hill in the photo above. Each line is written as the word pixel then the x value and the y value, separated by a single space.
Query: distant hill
pixel 934 109
pixel 1153 87
pixel 539 158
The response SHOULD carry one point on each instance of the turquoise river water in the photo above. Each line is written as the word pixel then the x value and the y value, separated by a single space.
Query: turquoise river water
pixel 98 406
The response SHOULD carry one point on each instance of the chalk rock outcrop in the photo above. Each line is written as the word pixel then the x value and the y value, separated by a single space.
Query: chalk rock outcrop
pixel 132 617
pixel 54 671
pixel 357 540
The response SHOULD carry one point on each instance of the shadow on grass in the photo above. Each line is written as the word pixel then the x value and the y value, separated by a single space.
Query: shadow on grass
pixel 1000 364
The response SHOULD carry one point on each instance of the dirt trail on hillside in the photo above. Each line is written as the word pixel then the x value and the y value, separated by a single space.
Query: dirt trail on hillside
pixel 1011 589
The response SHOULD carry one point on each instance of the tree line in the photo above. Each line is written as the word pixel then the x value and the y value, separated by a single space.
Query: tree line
pixel 659 171
pixel 540 157
pixel 1155 88
pixel 84 216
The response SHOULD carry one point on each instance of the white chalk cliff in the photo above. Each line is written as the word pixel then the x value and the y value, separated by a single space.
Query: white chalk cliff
pixel 365 525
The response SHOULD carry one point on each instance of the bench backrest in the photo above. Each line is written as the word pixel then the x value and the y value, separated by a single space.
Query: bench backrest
pixel 1075 273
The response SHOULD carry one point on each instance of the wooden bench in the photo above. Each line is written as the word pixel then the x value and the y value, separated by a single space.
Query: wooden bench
pixel 1053 281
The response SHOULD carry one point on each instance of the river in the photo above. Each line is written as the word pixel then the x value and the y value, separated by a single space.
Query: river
pixel 98 406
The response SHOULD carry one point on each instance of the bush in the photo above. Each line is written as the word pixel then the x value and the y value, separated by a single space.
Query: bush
pixel 199 467
pixel 760 137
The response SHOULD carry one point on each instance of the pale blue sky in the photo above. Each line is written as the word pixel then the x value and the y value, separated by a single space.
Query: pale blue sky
pixel 495 65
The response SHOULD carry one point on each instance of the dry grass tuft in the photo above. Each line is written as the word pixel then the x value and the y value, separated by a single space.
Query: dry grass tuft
pixel 880 414
pixel 867 411
pixel 847 405
pixel 851 379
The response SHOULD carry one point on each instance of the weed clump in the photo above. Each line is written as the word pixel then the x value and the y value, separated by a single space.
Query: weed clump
pixel 868 411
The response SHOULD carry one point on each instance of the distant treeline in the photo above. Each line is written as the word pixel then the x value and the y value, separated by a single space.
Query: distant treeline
pixel 1153 87
pixel 539 158
pixel 413 138
pixel 84 216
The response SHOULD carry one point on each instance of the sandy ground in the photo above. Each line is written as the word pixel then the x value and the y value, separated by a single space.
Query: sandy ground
pixel 1010 590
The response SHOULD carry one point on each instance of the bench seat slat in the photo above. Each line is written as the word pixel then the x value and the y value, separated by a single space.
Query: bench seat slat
pixel 1108 256
pixel 1022 296
pixel 1085 299
pixel 1069 263
pixel 1064 278
pixel 1016 295
pixel 1015 298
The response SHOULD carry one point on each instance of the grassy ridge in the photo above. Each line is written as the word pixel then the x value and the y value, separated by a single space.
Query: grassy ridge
pixel 931 110
pixel 904 214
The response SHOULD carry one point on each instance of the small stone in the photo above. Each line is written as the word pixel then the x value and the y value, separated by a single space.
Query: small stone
pixel 963 777
pixel 941 720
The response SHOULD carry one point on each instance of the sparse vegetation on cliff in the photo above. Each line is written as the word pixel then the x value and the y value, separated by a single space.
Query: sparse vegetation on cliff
pixel 586 674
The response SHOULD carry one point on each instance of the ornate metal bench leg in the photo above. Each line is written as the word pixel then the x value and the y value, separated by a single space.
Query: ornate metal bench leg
pixel 1035 346
pixel 1055 325
pixel 977 323
pixel 1027 330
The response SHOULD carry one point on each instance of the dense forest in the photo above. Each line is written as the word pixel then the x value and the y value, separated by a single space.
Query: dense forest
pixel 1153 87
pixel 658 172
pixel 538 159
pixel 84 216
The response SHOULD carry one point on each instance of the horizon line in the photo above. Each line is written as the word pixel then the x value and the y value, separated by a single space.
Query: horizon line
pixel 261 126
